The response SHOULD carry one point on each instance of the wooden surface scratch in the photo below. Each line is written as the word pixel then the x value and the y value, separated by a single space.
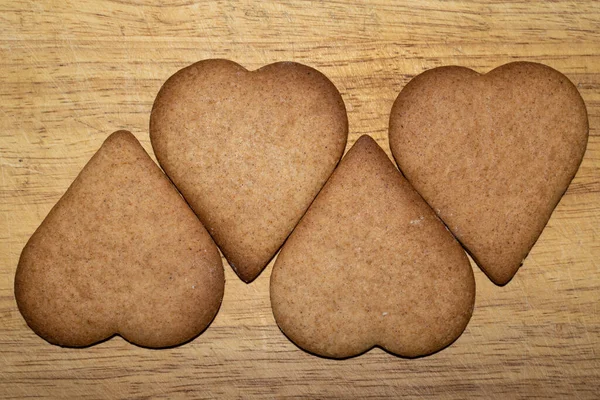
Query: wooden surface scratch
pixel 73 72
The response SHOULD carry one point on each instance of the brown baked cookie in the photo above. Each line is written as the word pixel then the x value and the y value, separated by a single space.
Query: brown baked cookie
pixel 492 154
pixel 120 253
pixel 370 264
pixel 249 151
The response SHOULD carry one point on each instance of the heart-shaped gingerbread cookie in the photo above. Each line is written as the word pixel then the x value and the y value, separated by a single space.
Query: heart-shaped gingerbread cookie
pixel 120 253
pixel 370 264
pixel 492 154
pixel 249 151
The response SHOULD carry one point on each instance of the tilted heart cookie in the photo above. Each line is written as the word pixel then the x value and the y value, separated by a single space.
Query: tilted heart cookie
pixel 370 264
pixel 120 253
pixel 249 151
pixel 492 154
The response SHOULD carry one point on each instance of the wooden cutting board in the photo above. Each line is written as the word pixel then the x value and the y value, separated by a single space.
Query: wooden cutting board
pixel 71 72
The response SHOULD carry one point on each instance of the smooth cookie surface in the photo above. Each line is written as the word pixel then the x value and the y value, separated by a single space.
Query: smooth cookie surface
pixel 120 253
pixel 249 150
pixel 492 154
pixel 370 264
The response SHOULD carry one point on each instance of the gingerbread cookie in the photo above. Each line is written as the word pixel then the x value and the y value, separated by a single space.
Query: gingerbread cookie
pixel 492 154
pixel 249 151
pixel 120 253
pixel 370 264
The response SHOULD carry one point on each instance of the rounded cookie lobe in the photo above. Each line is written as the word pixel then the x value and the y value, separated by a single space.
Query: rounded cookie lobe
pixel 492 154
pixel 249 150
pixel 370 264
pixel 120 253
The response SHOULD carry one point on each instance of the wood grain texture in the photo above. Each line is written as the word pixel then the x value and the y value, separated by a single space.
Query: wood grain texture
pixel 72 72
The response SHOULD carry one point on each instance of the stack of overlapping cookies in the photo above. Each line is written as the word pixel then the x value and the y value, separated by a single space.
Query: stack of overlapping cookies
pixel 370 256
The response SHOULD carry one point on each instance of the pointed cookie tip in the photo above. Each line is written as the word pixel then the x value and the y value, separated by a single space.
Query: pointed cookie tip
pixel 501 279
pixel 120 134
pixel 365 140
pixel 246 274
